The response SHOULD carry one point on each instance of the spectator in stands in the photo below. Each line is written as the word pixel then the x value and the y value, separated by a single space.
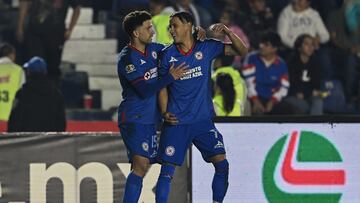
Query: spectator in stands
pixel 11 78
pixel 299 18
pixel 345 47
pixel 227 18
pixel 266 76
pixel 161 11
pixel 38 105
pixel 230 93
pixel 46 31
pixel 305 78
pixel 225 102
pixel 325 7
pixel 277 6
pixel 260 19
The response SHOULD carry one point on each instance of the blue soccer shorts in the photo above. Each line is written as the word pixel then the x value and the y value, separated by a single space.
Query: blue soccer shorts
pixel 175 140
pixel 140 139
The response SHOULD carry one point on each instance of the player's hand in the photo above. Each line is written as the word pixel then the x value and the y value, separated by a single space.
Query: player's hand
pixel 200 33
pixel 178 71
pixel 219 27
pixel 67 34
pixel 269 106
pixel 170 118
pixel 258 107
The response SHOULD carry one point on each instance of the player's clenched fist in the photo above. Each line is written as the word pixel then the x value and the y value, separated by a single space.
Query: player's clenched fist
pixel 170 118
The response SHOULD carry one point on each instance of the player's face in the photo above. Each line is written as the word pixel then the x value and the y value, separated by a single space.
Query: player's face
pixel 308 46
pixel 145 32
pixel 179 30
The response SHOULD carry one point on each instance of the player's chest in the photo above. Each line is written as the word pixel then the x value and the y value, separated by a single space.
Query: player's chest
pixel 198 66
pixel 148 68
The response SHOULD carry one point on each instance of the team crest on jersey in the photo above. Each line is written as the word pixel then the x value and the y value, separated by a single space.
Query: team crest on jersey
pixel 145 146
pixel 199 55
pixel 130 68
pixel 154 54
pixel 142 62
pixel 170 151
pixel 152 73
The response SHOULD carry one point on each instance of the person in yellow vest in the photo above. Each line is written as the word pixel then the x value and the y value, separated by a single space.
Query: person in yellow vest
pixel 11 79
pixel 161 11
pixel 230 96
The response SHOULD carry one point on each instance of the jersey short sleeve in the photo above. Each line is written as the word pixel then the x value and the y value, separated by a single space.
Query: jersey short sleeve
pixel 164 64
pixel 215 48
pixel 129 70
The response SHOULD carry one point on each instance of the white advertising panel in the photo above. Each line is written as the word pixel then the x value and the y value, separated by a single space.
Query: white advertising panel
pixel 285 163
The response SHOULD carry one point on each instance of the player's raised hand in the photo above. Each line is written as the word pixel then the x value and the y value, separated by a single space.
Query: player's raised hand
pixel 200 33
pixel 219 27
pixel 170 118
pixel 178 71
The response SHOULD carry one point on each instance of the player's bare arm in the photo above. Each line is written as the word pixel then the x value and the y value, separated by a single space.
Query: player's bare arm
pixel 163 101
pixel 237 46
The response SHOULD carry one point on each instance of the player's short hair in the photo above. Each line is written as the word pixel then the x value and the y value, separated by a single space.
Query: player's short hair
pixel 184 17
pixel 134 20
pixel 272 37
pixel 6 49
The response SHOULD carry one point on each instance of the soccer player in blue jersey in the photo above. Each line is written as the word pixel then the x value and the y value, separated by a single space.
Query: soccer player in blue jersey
pixel 138 112
pixel 187 106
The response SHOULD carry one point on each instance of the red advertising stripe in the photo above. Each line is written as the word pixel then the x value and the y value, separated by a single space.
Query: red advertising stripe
pixel 308 177
pixel 82 126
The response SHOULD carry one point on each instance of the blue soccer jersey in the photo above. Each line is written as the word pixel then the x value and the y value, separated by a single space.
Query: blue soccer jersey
pixel 190 97
pixel 137 70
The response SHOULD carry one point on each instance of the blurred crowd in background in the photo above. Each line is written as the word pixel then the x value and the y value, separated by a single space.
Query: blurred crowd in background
pixel 304 55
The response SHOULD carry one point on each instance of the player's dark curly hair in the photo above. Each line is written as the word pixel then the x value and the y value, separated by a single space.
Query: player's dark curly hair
pixel 184 17
pixel 133 20
pixel 226 85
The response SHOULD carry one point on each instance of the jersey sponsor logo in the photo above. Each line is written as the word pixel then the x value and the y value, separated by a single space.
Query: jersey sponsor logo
pixel 145 146
pixel 142 62
pixel 154 54
pixel 192 73
pixel 170 151
pixel 304 165
pixel 152 73
pixel 199 55
pixel 172 59
pixel 130 68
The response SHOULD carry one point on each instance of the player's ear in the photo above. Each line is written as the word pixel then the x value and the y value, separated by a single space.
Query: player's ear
pixel 136 33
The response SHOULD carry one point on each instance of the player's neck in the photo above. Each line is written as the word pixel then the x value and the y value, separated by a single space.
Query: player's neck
pixel 138 45
pixel 187 45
